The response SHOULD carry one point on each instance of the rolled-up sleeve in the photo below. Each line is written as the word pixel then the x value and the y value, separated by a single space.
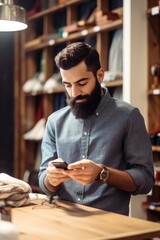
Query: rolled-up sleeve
pixel 138 153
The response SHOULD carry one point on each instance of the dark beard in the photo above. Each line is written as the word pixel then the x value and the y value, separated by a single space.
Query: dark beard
pixel 85 109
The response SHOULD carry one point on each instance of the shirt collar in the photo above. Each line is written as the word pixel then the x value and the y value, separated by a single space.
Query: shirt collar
pixel 105 99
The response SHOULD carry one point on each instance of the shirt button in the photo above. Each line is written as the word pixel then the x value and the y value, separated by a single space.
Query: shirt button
pixel 97 113
pixel 85 133
pixel 83 156
pixel 78 199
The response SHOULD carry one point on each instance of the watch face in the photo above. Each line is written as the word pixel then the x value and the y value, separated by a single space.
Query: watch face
pixel 104 175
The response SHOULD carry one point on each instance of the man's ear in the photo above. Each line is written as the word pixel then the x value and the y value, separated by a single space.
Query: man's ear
pixel 100 75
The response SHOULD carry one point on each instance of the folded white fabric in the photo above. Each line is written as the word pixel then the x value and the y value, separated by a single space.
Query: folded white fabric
pixel 115 63
pixel 53 84
pixel 14 191
pixel 37 132
pixel 37 88
pixel 8 231
pixel 112 76
pixel 34 85
pixel 28 85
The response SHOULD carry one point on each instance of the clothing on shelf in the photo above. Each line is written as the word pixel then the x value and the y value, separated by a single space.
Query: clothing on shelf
pixel 34 85
pixel 53 84
pixel 115 64
pixel 37 132
pixel 112 76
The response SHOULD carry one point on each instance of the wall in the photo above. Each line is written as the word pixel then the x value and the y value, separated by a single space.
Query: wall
pixel 6 102
pixel 135 71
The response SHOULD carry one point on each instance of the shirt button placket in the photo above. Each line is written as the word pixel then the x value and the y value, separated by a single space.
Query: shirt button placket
pixel 85 139
pixel 85 134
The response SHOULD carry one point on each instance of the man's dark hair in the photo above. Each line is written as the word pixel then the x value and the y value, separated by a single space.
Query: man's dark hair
pixel 77 52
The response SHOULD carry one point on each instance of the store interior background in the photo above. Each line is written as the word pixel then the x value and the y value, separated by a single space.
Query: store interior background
pixel 7 96
pixel 7 93
pixel 7 90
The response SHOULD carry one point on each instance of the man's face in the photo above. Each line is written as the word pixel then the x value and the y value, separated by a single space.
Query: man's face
pixel 83 90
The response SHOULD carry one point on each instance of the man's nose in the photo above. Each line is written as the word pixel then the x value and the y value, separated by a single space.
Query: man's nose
pixel 75 91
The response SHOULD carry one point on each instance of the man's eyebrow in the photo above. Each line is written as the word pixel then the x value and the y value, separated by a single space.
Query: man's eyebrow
pixel 80 80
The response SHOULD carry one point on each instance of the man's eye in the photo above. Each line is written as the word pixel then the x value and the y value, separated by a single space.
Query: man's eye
pixel 67 85
pixel 82 84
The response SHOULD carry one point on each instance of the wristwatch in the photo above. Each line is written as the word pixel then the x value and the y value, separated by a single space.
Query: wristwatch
pixel 104 174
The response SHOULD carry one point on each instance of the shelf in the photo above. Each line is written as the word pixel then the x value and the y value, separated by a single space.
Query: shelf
pixel 116 83
pixel 156 148
pixel 153 97
pixel 56 8
pixel 151 207
pixel 157 184
pixel 155 91
pixel 41 42
pixel 153 11
pixel 56 90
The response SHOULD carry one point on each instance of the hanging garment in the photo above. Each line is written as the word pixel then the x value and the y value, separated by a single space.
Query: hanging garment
pixel 116 52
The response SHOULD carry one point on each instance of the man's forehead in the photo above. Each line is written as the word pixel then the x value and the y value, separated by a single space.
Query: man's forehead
pixel 75 74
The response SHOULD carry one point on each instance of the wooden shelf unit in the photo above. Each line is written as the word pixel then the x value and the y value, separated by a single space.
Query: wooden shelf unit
pixel 153 16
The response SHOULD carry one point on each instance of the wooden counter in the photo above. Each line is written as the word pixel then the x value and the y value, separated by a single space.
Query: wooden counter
pixel 72 221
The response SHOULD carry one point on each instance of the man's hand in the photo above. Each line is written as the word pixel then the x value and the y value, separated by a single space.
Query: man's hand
pixel 84 171
pixel 55 175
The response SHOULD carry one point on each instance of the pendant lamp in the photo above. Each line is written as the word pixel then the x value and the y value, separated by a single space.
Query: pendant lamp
pixel 12 17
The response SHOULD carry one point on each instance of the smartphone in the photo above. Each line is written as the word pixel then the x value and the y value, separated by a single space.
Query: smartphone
pixel 60 164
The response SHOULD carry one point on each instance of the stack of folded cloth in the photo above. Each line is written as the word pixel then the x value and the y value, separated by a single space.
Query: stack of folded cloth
pixel 8 231
pixel 54 84
pixel 87 21
pixel 102 17
pixel 112 76
pixel 37 85
pixel 37 132
pixel 34 85
pixel 13 191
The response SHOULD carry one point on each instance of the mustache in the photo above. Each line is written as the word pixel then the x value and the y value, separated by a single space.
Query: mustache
pixel 80 97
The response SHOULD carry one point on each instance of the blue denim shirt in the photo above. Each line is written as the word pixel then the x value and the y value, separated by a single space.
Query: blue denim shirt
pixel 115 136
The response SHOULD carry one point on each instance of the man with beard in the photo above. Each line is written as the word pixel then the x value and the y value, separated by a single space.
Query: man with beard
pixel 103 140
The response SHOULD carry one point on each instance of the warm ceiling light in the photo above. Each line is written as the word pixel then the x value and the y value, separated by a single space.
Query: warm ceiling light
pixel 12 17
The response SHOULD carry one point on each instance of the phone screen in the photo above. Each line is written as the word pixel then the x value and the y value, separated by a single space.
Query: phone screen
pixel 60 164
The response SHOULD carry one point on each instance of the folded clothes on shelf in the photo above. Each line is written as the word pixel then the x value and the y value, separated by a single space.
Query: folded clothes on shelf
pixel 87 20
pixel 157 172
pixel 37 132
pixel 151 205
pixel 54 84
pixel 115 63
pixel 28 85
pixel 35 84
pixel 112 76
pixel 102 17
pixel 155 71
